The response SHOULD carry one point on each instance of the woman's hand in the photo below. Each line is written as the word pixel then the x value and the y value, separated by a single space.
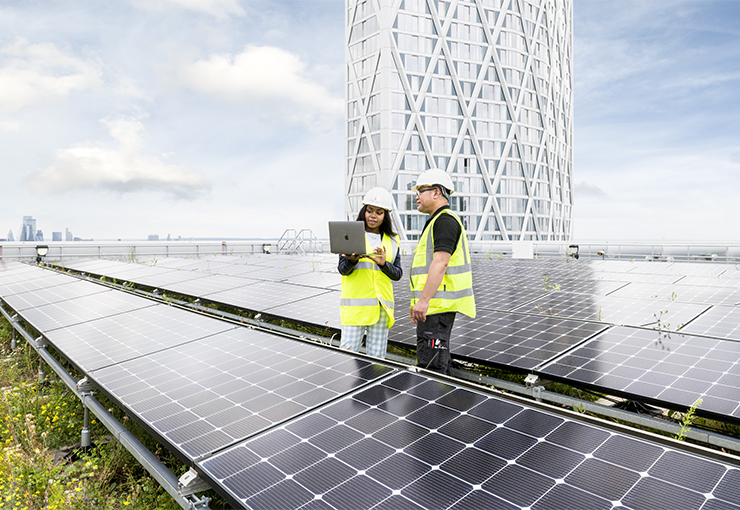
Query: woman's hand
pixel 378 256
pixel 352 258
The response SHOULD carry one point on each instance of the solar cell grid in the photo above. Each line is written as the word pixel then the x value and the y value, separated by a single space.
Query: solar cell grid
pixel 130 272
pixel 484 451
pixel 732 281
pixel 43 280
pixel 718 321
pixel 322 309
pixel 165 279
pixel 83 309
pixel 672 368
pixel 614 310
pixel 681 293
pixel 22 273
pixel 110 340
pixel 72 289
pixel 322 280
pixel 91 265
pixel 275 274
pixel 206 394
pixel 205 284
pixel 264 295
pixel 504 298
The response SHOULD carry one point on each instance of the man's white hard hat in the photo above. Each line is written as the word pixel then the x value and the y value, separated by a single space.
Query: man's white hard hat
pixel 434 177
pixel 379 197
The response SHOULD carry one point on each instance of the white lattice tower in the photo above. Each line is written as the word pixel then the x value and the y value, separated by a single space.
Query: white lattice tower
pixel 480 88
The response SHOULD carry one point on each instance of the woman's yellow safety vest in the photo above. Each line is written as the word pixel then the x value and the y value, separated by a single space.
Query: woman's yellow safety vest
pixel 455 293
pixel 367 288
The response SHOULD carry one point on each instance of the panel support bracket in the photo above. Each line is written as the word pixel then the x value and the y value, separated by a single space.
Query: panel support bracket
pixel 531 380
pixel 190 483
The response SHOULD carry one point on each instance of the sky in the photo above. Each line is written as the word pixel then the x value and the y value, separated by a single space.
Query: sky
pixel 225 118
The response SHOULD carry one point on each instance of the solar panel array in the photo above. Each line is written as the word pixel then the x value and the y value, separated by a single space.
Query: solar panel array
pixel 411 442
pixel 530 312
pixel 658 366
pixel 271 422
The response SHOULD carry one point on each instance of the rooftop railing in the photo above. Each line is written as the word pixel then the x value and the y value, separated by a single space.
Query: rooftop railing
pixel 152 250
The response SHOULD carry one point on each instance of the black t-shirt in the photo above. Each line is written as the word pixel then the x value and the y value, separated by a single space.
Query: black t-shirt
pixel 446 231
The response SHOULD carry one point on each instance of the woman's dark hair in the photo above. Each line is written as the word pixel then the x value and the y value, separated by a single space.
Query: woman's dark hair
pixel 385 228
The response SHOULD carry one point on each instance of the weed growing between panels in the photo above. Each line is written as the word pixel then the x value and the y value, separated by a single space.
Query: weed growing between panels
pixel 41 422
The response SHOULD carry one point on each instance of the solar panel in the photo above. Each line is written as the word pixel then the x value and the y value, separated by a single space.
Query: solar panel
pixel 322 310
pixel 663 367
pixel 504 298
pixel 412 442
pixel 41 280
pixel 718 321
pixel 264 295
pixel 168 278
pixel 614 310
pixel 275 274
pixel 510 339
pixel 83 309
pixel 681 293
pixel 320 279
pixel 109 340
pixel 208 284
pixel 727 279
pixel 97 266
pixel 17 272
pixel 207 394
pixel 72 289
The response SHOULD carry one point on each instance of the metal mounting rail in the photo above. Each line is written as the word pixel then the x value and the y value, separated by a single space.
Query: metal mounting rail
pixel 166 478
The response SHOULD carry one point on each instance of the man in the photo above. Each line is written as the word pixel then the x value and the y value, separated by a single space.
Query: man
pixel 441 275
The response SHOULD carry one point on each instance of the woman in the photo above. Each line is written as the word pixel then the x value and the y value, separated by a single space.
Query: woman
pixel 367 288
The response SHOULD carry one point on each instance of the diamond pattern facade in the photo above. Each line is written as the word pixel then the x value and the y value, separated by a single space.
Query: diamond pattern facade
pixel 480 88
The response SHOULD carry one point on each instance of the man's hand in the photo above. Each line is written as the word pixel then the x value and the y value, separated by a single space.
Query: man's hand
pixel 352 258
pixel 379 256
pixel 418 312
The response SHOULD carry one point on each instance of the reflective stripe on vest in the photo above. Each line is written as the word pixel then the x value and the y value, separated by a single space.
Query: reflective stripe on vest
pixel 455 292
pixel 366 289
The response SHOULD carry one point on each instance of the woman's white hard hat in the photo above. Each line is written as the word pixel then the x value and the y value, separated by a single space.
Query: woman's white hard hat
pixel 379 197
pixel 434 177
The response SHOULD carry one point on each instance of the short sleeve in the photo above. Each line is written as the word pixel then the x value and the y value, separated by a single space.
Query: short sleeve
pixel 446 233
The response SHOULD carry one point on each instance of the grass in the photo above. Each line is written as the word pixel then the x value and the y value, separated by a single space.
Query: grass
pixel 43 420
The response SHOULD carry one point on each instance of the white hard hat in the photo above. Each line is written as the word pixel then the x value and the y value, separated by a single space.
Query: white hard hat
pixel 379 197
pixel 432 177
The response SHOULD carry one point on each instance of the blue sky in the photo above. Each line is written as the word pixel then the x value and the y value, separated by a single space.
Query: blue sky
pixel 224 118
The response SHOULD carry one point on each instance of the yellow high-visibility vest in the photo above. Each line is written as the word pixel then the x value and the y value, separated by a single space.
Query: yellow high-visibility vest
pixel 455 293
pixel 367 288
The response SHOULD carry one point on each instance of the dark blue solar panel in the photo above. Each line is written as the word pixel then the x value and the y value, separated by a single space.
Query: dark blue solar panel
pixel 454 448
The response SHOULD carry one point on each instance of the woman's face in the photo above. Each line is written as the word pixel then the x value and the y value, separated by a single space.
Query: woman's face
pixel 374 217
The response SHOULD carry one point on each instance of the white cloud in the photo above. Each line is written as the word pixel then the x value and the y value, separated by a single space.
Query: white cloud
pixel 265 77
pixel 14 127
pixel 217 8
pixel 587 190
pixel 33 73
pixel 122 170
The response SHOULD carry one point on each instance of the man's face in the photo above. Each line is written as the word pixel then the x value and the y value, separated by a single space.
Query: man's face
pixel 426 199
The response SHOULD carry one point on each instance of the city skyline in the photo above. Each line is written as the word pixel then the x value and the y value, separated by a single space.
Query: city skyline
pixel 226 117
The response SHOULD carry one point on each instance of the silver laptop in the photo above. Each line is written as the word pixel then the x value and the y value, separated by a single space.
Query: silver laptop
pixel 347 237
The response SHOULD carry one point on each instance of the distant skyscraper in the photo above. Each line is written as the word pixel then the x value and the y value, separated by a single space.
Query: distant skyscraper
pixel 480 88
pixel 28 229
pixel 10 236
pixel 39 236
pixel 68 235
pixel 56 236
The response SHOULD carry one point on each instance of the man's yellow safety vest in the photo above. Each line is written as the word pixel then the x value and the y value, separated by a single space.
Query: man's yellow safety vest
pixel 455 293
pixel 367 288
